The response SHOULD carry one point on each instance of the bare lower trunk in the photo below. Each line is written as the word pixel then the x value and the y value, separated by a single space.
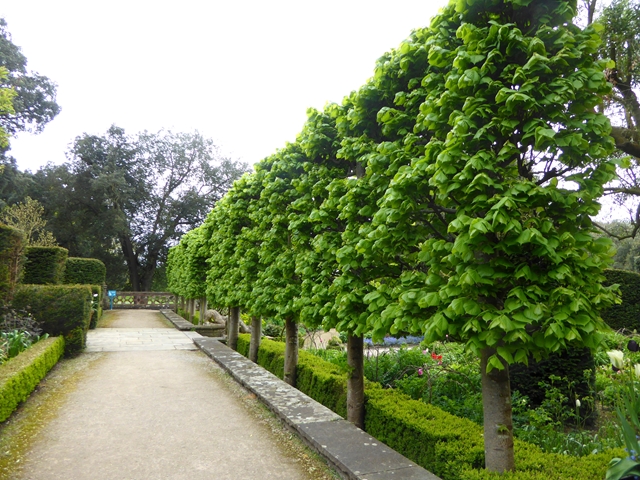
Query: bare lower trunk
pixel 355 381
pixel 291 352
pixel 192 308
pixel 256 333
pixel 232 325
pixel 498 427
pixel 203 309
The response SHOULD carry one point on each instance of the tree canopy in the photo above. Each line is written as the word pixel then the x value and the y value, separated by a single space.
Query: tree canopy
pixel 126 199
pixel 34 102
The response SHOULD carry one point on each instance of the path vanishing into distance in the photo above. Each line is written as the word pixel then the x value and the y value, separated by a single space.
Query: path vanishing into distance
pixel 143 403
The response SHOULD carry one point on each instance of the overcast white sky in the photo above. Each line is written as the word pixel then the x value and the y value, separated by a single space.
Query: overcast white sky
pixel 240 72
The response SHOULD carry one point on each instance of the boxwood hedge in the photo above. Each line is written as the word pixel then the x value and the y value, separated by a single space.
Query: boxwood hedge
pixel 20 375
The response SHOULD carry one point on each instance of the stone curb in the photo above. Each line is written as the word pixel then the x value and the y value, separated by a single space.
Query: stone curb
pixel 178 322
pixel 351 451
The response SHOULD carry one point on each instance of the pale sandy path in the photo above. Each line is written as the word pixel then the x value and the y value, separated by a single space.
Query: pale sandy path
pixel 167 414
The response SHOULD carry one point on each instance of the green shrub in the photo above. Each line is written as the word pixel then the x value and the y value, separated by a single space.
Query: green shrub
pixel 20 375
pixel 11 247
pixel 84 271
pixel 44 265
pixel 60 310
pixel 627 314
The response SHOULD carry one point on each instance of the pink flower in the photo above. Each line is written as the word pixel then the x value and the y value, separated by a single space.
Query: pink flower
pixel 420 372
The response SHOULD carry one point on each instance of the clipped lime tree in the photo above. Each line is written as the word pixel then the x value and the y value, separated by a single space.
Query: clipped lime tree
pixel 513 164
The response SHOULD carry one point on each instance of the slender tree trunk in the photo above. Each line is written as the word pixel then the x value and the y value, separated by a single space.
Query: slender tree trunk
pixel 203 309
pixel 192 308
pixel 498 427
pixel 291 352
pixel 355 381
pixel 256 334
pixel 232 334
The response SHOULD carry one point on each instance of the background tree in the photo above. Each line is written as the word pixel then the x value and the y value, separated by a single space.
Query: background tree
pixel 34 103
pixel 133 197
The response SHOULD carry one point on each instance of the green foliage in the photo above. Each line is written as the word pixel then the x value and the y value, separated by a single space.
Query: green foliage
pixel 28 216
pixel 20 375
pixel 61 310
pixel 627 313
pixel 44 265
pixel 6 106
pixel 86 271
pixel 34 103
pixel 11 247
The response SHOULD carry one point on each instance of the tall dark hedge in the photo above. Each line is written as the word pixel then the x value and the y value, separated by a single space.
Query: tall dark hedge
pixel 60 310
pixel 84 271
pixel 627 314
pixel 577 372
pixel 11 247
pixel 44 265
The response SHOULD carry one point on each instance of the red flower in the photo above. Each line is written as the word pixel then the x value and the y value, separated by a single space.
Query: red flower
pixel 436 357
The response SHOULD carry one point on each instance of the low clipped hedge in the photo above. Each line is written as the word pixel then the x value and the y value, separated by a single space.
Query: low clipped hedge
pixel 626 314
pixel 20 375
pixel 11 247
pixel 60 309
pixel 448 446
pixel 44 265
pixel 84 271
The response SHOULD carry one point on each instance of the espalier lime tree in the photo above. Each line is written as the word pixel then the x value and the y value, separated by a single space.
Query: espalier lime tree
pixel 232 256
pixel 513 165
pixel 187 265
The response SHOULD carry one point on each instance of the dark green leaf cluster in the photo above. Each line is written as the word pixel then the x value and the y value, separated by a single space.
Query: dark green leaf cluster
pixel 450 195
pixel 44 265
pixel 625 315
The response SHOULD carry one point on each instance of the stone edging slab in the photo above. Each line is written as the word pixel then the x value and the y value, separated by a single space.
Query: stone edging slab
pixel 352 452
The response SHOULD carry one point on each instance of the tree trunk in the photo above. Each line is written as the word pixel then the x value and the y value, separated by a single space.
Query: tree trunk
pixel 192 308
pixel 498 427
pixel 132 262
pixel 232 325
pixel 203 309
pixel 256 333
pixel 355 381
pixel 291 352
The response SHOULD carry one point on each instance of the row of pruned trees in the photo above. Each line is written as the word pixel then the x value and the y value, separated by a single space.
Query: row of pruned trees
pixel 450 195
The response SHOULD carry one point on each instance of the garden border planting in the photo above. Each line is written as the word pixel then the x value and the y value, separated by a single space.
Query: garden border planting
pixel 449 446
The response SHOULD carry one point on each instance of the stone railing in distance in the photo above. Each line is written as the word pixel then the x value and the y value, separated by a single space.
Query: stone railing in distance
pixel 150 300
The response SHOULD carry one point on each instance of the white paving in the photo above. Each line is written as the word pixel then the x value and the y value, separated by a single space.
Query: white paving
pixel 138 339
